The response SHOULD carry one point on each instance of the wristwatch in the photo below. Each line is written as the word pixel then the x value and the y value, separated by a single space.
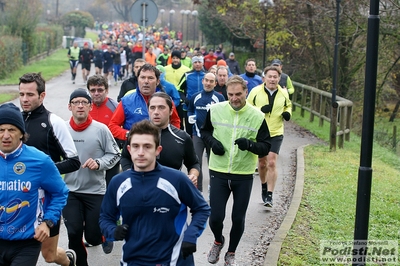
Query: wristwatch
pixel 98 163
pixel 49 223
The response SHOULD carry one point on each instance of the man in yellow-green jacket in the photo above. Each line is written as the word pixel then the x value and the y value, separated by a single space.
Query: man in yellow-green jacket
pixel 274 102
pixel 236 132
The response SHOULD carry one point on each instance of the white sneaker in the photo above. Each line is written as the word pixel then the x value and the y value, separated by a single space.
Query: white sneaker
pixel 71 256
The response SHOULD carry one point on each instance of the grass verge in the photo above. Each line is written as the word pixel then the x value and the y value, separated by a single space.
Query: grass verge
pixel 92 35
pixel 50 67
pixel 327 210
pixel 8 96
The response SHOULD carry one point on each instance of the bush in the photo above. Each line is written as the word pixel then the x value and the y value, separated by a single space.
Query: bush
pixel 10 54
pixel 14 52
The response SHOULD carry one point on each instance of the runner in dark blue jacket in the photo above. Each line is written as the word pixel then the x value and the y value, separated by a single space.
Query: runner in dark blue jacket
pixel 152 200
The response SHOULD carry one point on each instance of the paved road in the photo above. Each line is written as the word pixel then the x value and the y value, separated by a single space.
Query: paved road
pixel 261 224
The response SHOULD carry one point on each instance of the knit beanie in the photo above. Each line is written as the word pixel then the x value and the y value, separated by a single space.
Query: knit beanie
pixel 80 93
pixel 197 59
pixel 176 53
pixel 10 114
pixel 221 62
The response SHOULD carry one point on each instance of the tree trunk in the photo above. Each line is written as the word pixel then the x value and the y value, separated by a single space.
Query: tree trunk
pixel 396 109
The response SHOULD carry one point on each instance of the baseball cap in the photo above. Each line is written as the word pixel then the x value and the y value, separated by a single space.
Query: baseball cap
pixel 276 62
pixel 230 54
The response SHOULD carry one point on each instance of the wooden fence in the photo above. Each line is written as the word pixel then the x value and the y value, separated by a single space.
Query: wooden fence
pixel 318 103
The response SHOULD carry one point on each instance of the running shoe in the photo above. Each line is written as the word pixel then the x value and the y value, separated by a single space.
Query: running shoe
pixel 230 259
pixel 215 251
pixel 107 247
pixel 268 202
pixel 71 256
pixel 264 192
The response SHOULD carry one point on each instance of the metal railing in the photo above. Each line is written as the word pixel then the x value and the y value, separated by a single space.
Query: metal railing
pixel 318 103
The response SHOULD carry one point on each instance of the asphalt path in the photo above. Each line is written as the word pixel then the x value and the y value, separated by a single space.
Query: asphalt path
pixel 261 223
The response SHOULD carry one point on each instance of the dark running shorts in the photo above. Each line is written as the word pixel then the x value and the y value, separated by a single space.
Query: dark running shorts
pixel 276 143
pixel 86 66
pixel 56 229
pixel 107 69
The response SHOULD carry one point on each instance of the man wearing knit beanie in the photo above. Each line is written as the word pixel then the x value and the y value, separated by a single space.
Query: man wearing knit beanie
pixel 10 114
pixel 26 173
pixel 80 93
pixel 98 152
pixel 176 53
pixel 174 73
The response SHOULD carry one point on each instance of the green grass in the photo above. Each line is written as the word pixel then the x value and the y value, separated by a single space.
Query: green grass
pixel 327 210
pixel 92 35
pixel 50 67
pixel 5 97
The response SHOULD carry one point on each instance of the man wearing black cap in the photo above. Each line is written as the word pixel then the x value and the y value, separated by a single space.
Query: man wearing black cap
pixel 233 64
pixel 175 70
pixel 285 82
pixel 27 174
pixel 173 74
pixel 98 152
pixel 48 133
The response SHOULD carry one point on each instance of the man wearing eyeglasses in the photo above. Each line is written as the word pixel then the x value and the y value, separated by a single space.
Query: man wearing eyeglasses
pixel 97 152
pixel 102 110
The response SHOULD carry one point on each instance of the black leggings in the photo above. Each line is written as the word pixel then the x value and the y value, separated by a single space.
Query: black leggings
pixel 19 252
pixel 81 215
pixel 221 187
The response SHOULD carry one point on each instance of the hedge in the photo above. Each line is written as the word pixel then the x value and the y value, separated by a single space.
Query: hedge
pixel 14 52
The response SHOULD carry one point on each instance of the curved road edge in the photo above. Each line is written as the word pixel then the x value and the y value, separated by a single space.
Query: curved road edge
pixel 274 249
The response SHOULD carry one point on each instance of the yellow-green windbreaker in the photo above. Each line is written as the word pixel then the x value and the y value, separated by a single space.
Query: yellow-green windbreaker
pixel 230 125
pixel 258 97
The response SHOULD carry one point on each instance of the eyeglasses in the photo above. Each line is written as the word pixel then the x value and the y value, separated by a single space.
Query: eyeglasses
pixel 77 103
pixel 98 90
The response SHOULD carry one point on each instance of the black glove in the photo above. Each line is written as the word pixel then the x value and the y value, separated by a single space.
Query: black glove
pixel 286 116
pixel 217 147
pixel 266 108
pixel 244 144
pixel 121 231
pixel 187 249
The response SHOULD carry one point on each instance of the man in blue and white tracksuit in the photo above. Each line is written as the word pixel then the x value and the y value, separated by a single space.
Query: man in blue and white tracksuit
pixel 26 175
pixel 199 105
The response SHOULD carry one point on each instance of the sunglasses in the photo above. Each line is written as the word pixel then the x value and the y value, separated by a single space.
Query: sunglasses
pixel 98 90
